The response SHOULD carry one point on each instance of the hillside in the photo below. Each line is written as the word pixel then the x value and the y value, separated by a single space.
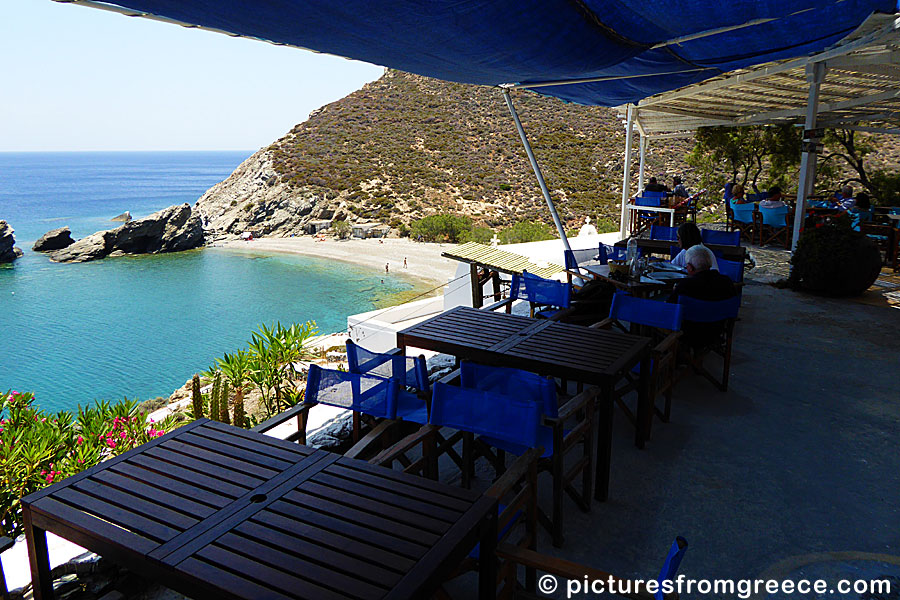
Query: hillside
pixel 406 146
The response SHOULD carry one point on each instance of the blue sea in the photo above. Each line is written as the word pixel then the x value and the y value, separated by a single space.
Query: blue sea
pixel 141 326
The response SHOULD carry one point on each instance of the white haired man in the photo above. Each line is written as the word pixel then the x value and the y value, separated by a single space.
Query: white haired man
pixel 703 283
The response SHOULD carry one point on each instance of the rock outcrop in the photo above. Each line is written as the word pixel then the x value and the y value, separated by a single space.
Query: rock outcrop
pixel 56 239
pixel 8 250
pixel 125 217
pixel 169 230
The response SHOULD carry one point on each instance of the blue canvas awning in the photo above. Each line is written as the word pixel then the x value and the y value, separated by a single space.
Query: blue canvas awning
pixel 636 48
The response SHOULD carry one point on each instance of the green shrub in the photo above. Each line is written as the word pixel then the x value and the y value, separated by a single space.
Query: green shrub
pixel 482 235
pixel 834 260
pixel 38 448
pixel 526 231
pixel 341 229
pixel 442 228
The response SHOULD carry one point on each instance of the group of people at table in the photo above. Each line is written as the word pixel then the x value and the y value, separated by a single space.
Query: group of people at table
pixel 858 207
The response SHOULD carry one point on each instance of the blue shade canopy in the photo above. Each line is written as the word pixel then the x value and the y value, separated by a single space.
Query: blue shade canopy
pixel 656 45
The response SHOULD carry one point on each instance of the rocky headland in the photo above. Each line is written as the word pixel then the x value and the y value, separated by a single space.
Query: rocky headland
pixel 169 230
pixel 8 250
pixel 56 239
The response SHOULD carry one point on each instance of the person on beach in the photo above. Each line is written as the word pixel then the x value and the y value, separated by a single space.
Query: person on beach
pixel 404 263
pixel 387 267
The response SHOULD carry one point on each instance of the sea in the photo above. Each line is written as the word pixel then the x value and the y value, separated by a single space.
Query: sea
pixel 140 326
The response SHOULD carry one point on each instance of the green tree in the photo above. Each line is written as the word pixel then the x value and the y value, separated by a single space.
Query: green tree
pixel 526 231
pixel 442 228
pixel 744 154
pixel 341 229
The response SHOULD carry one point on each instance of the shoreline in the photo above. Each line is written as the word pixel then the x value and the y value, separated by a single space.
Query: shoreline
pixel 424 261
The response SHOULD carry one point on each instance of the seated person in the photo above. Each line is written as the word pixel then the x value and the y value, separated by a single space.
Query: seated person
pixel 678 188
pixel 861 211
pixel 774 200
pixel 737 194
pixel 702 283
pixel 654 186
pixel 688 237
pixel 845 200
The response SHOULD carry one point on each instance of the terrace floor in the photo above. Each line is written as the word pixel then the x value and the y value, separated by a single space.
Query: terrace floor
pixel 799 458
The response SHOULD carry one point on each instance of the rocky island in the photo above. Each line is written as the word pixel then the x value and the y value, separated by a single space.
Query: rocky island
pixel 169 230
pixel 8 250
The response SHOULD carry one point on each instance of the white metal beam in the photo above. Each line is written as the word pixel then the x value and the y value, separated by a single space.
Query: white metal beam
pixel 626 176
pixel 815 75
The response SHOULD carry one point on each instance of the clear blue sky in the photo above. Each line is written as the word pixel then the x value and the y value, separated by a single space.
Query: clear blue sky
pixel 77 78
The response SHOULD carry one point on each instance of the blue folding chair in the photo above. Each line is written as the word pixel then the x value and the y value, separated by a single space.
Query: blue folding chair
pixel 709 327
pixel 567 570
pixel 547 297
pixel 732 268
pixel 366 394
pixel 664 232
pixel 410 372
pixel 575 260
pixel 552 435
pixel 744 222
pixel 774 224
pixel 662 322
pixel 722 238
pixel 646 218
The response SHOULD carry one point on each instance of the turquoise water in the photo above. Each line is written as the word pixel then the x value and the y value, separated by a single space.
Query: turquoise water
pixel 141 326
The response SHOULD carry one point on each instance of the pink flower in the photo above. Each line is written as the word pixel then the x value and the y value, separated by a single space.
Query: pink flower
pixel 122 435
pixel 111 443
pixel 80 440
pixel 80 462
pixel 14 393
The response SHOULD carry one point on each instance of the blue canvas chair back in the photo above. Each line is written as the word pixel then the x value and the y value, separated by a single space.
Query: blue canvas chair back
pixel 706 311
pixel 726 196
pixel 654 195
pixel 373 396
pixel 732 268
pixel 579 257
pixel 743 213
pixel 774 217
pixel 859 216
pixel 642 311
pixel 671 564
pixel 540 291
pixel 511 382
pixel 647 200
pixel 663 232
pixel 409 371
pixel 614 253
pixel 723 238
pixel 510 418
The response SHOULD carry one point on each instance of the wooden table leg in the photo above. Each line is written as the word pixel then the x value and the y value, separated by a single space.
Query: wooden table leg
pixel 39 559
pixel 487 564
pixel 604 442
pixel 644 406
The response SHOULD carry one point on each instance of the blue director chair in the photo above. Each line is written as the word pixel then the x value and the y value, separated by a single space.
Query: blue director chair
pixel 661 321
pixel 556 440
pixel 721 238
pixel 547 297
pixel 709 327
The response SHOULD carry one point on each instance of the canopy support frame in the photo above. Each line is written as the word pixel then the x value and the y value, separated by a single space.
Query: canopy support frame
pixel 537 170
pixel 815 75
pixel 626 176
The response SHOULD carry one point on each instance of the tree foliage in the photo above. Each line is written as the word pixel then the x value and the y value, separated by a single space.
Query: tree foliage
pixel 341 229
pixel 526 231
pixel 744 154
pixel 442 228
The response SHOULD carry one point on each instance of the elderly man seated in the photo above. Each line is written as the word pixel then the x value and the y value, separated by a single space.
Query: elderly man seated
pixel 774 200
pixel 845 200
pixel 703 283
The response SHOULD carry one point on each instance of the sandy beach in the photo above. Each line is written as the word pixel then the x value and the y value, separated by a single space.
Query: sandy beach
pixel 423 261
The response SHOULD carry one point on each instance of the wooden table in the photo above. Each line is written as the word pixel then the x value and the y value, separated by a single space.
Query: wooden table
pixel 641 288
pixel 736 253
pixel 593 356
pixel 659 209
pixel 213 511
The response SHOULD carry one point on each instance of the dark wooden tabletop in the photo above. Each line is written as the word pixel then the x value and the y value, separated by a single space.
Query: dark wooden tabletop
pixel 213 510
pixel 546 347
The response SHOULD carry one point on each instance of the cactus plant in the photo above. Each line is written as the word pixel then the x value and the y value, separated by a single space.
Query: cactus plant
pixel 223 403
pixel 214 397
pixel 239 417
pixel 196 397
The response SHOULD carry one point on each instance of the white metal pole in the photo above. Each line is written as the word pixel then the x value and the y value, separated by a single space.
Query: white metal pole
pixel 626 177
pixel 537 170
pixel 644 141
pixel 815 74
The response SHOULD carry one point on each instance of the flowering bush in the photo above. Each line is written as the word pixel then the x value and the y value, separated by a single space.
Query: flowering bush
pixel 38 448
